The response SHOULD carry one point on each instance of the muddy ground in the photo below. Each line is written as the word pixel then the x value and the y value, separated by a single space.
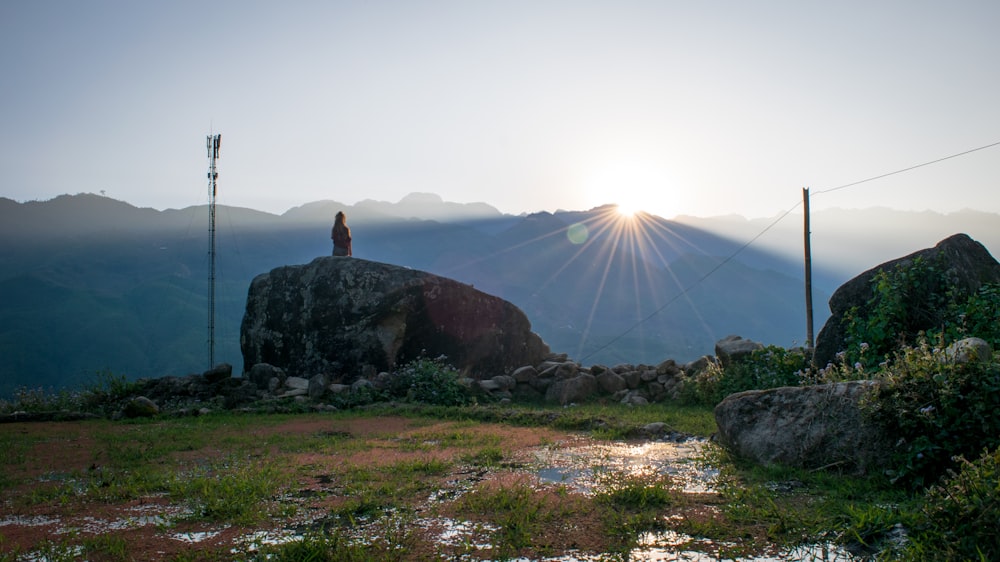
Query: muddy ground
pixel 50 492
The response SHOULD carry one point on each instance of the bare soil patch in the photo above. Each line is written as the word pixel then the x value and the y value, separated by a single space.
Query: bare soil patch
pixel 57 476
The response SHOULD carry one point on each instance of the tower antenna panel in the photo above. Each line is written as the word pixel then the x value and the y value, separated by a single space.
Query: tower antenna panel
pixel 212 143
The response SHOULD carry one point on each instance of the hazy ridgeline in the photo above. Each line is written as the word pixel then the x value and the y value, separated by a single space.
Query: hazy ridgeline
pixel 91 284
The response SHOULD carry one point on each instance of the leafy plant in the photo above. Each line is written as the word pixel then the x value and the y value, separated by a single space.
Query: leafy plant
pixel 769 367
pixel 102 396
pixel 978 316
pixel 937 409
pixel 961 517
pixel 429 381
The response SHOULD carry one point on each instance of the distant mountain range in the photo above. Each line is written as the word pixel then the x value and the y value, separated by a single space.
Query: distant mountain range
pixel 90 284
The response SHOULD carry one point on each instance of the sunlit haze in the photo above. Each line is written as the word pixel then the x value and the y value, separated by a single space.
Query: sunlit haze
pixel 674 108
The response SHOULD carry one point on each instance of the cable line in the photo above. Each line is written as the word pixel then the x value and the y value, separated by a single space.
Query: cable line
pixel 761 233
pixel 873 178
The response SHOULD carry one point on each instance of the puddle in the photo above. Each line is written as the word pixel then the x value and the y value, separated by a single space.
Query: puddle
pixel 454 533
pixel 664 546
pixel 578 467
pixel 31 521
pixel 195 537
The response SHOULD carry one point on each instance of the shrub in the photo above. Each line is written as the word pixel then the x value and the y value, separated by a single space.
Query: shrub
pixel 938 410
pixel 770 367
pixel 100 396
pixel 960 519
pixel 978 316
pixel 40 400
pixel 429 381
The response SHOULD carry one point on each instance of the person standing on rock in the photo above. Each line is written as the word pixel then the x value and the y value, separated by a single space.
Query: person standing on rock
pixel 341 235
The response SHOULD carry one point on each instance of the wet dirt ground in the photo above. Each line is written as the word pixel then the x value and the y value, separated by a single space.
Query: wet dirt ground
pixel 561 470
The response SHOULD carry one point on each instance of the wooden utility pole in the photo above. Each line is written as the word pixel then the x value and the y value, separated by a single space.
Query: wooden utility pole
pixel 808 252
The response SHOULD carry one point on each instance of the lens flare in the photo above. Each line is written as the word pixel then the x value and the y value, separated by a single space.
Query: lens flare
pixel 577 233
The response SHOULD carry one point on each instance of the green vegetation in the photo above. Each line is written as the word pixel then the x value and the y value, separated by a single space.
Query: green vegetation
pixel 102 395
pixel 230 491
pixel 939 410
pixel 903 300
pixel 961 516
pixel 429 381
pixel 906 299
pixel 636 490
pixel 942 413
pixel 788 506
pixel 335 546
pixel 515 508
pixel 770 367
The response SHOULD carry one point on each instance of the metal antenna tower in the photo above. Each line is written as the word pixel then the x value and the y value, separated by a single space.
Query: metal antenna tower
pixel 213 143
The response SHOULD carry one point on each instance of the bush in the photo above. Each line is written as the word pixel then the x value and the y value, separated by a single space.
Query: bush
pixel 428 381
pixel 770 367
pixel 960 519
pixel 36 400
pixel 938 410
pixel 978 316
pixel 102 396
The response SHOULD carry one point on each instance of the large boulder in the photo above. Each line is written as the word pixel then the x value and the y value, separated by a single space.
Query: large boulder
pixel 732 349
pixel 140 407
pixel 967 263
pixel 809 427
pixel 346 317
pixel 969 350
pixel 572 390
pixel 262 374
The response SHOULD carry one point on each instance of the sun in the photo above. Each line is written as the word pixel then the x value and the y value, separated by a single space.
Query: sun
pixel 625 210
pixel 632 185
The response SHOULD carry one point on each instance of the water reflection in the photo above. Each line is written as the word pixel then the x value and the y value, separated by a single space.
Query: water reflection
pixel 578 467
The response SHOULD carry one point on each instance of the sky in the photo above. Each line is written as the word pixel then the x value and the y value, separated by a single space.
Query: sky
pixel 673 107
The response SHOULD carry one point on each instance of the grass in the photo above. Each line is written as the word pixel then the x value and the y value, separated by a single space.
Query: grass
pixel 788 506
pixel 637 491
pixel 250 471
pixel 233 491
pixel 514 508
pixel 486 457
pixel 605 421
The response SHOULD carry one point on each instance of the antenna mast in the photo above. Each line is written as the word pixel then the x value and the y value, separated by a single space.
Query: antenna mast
pixel 212 142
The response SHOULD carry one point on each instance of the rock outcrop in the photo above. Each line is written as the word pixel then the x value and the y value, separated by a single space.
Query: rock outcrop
pixel 215 386
pixel 808 427
pixel 968 265
pixel 560 380
pixel 732 349
pixel 352 318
